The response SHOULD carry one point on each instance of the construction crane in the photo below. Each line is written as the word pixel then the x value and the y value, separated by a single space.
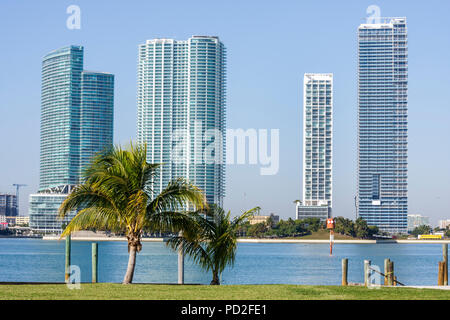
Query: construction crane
pixel 17 185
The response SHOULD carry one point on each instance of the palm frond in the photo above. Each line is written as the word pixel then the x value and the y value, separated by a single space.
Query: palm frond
pixel 178 194
pixel 94 218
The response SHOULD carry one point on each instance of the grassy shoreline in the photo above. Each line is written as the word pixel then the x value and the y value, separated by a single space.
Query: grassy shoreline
pixel 114 291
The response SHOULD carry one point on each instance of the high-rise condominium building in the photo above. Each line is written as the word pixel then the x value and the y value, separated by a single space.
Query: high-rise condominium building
pixel 317 146
pixel 76 123
pixel 60 117
pixel 97 114
pixel 8 205
pixel 382 198
pixel 181 111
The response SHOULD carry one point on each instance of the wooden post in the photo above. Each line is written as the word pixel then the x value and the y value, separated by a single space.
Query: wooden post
pixel 441 273
pixel 344 272
pixel 366 272
pixel 386 271
pixel 391 273
pixel 94 262
pixel 445 256
pixel 331 241
pixel 67 270
pixel 180 263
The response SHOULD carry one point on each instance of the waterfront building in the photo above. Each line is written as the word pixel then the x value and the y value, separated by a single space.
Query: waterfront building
pixel 8 205
pixel 382 185
pixel 21 220
pixel 97 114
pixel 417 220
pixel 3 223
pixel 44 209
pixel 317 147
pixel 262 219
pixel 60 117
pixel 181 111
pixel 76 123
pixel 17 220
pixel 444 224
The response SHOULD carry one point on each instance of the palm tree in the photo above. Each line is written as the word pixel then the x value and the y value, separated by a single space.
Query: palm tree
pixel 117 195
pixel 212 244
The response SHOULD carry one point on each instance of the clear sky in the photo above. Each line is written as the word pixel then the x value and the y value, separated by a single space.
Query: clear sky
pixel 270 45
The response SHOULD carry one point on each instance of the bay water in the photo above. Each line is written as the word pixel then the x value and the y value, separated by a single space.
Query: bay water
pixel 37 260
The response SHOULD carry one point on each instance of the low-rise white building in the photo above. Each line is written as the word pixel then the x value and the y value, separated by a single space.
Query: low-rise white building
pixel 444 224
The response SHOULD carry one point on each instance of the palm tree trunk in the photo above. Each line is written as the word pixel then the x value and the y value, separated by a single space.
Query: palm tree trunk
pixel 215 280
pixel 131 264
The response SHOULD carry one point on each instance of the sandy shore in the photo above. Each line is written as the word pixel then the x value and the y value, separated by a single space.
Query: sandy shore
pixel 105 238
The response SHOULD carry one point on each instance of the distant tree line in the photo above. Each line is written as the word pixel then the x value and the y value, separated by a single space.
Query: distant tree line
pixel 423 229
pixel 426 229
pixel 358 229
pixel 299 228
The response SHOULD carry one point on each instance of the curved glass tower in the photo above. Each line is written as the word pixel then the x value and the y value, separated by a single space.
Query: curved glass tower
pixel 181 111
pixel 382 198
pixel 60 117
pixel 76 123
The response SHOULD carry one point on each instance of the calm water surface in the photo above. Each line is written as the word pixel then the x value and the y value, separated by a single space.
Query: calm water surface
pixel 36 260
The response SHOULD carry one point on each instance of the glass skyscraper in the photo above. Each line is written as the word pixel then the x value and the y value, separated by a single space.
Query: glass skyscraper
pixel 382 198
pixel 76 123
pixel 97 114
pixel 317 146
pixel 8 205
pixel 181 111
pixel 60 117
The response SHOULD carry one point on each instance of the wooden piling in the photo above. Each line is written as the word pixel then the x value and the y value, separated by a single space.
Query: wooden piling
pixel 67 264
pixel 344 272
pixel 386 271
pixel 181 262
pixel 391 268
pixel 445 256
pixel 441 273
pixel 94 262
pixel 390 273
pixel 366 272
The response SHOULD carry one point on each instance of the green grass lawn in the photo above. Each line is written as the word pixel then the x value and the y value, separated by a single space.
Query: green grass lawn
pixel 108 291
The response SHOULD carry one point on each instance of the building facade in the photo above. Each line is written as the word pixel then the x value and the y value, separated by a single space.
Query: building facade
pixel 444 224
pixel 262 219
pixel 17 220
pixel 60 117
pixel 44 209
pixel 382 186
pixel 317 147
pixel 8 205
pixel 97 114
pixel 181 111
pixel 76 123
pixel 417 220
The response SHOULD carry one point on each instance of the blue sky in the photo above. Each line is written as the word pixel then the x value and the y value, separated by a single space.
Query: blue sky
pixel 270 45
